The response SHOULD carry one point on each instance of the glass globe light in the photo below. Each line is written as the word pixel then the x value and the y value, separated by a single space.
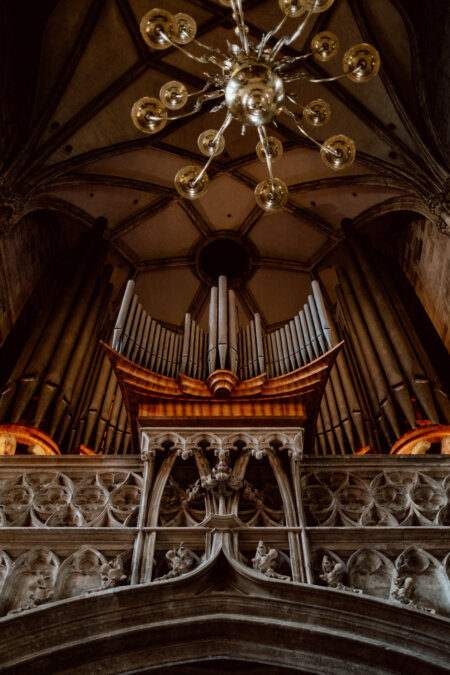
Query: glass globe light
pixel 206 143
pixel 325 45
pixel 149 115
pixel 173 95
pixel 254 93
pixel 186 185
pixel 361 62
pixel 271 194
pixel 292 8
pixel 186 28
pixel 156 24
pixel 271 148
pixel 317 113
pixel 316 6
pixel 338 152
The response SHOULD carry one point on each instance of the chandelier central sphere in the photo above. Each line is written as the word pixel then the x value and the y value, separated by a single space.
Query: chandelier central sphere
pixel 254 94
pixel 256 83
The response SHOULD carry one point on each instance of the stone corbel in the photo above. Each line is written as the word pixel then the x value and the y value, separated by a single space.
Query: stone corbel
pixel 439 206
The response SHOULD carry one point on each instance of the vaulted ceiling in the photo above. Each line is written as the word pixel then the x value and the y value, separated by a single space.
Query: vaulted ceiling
pixel 71 147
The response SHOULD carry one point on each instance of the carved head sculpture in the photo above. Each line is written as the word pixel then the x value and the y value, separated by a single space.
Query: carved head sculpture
pixel 8 444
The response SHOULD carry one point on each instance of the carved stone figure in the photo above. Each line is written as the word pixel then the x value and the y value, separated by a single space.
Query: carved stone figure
pixel 180 561
pixel 332 573
pixel 38 591
pixel 404 589
pixel 266 560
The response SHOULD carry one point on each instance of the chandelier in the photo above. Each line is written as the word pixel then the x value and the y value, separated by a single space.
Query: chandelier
pixel 254 84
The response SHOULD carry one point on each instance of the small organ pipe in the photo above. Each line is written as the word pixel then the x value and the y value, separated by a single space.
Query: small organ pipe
pixel 253 344
pixel 129 323
pixel 232 332
pixel 324 319
pixel 138 337
pixel 301 339
pixel 159 353
pixel 250 360
pixel 290 346
pixel 280 358
pixel 142 357
pixel 285 349
pixel 121 319
pixel 259 343
pixel 185 347
pixel 155 345
pixel 213 319
pixel 306 335
pixel 311 331
pixel 223 321
pixel 295 344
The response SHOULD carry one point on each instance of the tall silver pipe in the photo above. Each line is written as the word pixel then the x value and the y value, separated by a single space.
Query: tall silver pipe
pixel 295 344
pixel 373 376
pixel 391 366
pixel 213 321
pixel 312 333
pixel 142 356
pixel 323 314
pixel 285 350
pixel 232 331
pixel 306 336
pixel 301 340
pixel 185 347
pixel 259 343
pixel 223 321
pixel 415 374
pixel 280 354
pixel 276 357
pixel 290 346
pixel 155 345
pixel 121 319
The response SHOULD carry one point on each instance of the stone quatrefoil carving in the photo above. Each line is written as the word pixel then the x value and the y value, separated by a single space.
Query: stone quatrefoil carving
pixel 414 579
pixel 53 499
pixel 389 499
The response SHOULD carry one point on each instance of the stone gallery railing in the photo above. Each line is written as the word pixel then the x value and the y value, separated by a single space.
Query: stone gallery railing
pixel 375 525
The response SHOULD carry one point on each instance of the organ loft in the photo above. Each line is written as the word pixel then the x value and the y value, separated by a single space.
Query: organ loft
pixel 224 412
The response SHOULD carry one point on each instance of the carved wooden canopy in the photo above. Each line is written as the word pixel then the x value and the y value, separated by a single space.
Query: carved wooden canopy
pixel 288 400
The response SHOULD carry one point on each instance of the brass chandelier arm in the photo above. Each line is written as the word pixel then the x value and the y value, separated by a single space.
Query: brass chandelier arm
pixel 216 140
pixel 200 59
pixel 270 35
pixel 286 40
pixel 263 138
pixel 300 128
pixel 238 15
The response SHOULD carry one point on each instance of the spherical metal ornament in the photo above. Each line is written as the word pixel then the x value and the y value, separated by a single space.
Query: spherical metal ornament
pixel 338 152
pixel 206 143
pixel 317 113
pixel 361 62
pixel 271 195
pixel 149 115
pixel 254 93
pixel 316 6
pixel 186 28
pixel 292 8
pixel 271 148
pixel 173 95
pixel 325 45
pixel 156 26
pixel 186 185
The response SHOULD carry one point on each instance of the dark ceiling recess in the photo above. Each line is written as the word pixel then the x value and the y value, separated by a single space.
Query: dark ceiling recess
pixel 224 256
